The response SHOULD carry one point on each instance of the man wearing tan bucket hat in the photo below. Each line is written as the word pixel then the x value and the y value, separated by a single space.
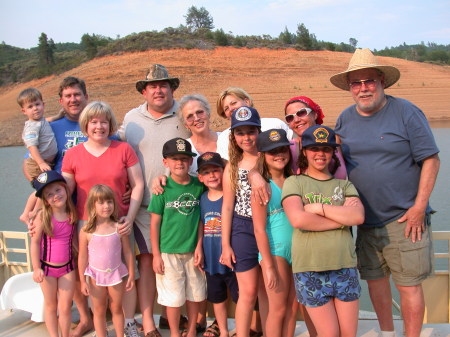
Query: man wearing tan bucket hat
pixel 392 159
pixel 146 128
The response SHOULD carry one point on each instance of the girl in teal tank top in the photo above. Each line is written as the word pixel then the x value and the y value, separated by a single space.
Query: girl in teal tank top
pixel 273 234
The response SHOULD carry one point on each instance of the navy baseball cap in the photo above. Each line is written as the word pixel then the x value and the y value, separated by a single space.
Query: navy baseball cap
pixel 245 115
pixel 209 158
pixel 271 139
pixel 177 146
pixel 319 135
pixel 44 179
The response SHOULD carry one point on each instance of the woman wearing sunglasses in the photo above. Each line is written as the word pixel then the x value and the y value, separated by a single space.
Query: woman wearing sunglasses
pixel 300 113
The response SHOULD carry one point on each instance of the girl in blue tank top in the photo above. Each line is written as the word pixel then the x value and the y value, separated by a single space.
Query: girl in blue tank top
pixel 273 234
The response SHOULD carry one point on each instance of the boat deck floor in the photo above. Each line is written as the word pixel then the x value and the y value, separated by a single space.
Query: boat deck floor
pixel 17 324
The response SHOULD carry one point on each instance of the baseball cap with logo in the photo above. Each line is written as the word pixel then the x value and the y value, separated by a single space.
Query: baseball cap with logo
pixel 44 179
pixel 319 135
pixel 245 115
pixel 177 146
pixel 271 139
pixel 209 158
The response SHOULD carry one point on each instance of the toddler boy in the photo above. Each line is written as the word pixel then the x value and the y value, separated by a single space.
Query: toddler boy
pixel 38 138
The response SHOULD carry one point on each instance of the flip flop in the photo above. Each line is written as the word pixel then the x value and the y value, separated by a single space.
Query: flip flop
pixel 213 330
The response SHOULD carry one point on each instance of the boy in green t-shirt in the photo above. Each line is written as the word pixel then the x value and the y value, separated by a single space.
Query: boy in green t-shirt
pixel 177 238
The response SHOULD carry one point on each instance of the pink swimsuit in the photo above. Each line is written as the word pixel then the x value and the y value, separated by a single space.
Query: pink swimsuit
pixel 105 259
pixel 57 249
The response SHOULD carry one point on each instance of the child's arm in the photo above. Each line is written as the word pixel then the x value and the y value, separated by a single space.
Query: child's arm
pixel 129 261
pixel 155 227
pixel 198 254
pixel 35 248
pixel 83 260
pixel 38 158
pixel 259 214
pixel 260 188
pixel 227 257
pixel 158 184
pixel 300 218
pixel 349 214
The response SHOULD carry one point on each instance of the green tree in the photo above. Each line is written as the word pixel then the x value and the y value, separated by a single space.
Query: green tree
pixel 304 39
pixel 46 49
pixel 286 37
pixel 89 46
pixel 221 38
pixel 353 42
pixel 198 18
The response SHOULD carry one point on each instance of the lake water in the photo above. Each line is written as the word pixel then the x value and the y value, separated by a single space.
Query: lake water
pixel 15 190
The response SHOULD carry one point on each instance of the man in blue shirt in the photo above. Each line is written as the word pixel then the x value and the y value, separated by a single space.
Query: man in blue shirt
pixel 392 159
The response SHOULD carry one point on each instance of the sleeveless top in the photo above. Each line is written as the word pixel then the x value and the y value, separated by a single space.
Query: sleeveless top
pixel 57 249
pixel 243 206
pixel 105 259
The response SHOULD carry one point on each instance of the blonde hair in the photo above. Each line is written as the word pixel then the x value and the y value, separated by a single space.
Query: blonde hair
pixel 97 109
pixel 29 95
pixel 100 193
pixel 47 212
pixel 235 91
pixel 235 155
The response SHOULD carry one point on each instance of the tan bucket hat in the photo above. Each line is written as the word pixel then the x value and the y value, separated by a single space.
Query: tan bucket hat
pixel 363 59
pixel 157 72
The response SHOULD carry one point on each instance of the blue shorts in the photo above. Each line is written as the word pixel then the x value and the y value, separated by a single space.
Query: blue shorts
pixel 315 289
pixel 218 284
pixel 243 242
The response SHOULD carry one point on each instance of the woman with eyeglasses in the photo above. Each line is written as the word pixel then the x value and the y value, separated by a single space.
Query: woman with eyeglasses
pixel 300 113
pixel 194 112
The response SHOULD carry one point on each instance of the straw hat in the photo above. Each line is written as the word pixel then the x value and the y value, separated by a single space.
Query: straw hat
pixel 157 72
pixel 364 59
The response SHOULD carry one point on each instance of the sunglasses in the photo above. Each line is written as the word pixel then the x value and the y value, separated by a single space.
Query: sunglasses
pixel 303 112
pixel 357 85
pixel 191 117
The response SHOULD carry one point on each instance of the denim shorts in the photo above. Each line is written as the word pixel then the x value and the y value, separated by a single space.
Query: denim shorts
pixel 315 289
pixel 218 286
pixel 243 242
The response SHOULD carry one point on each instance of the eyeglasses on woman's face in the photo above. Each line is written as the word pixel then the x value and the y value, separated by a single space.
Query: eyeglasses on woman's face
pixel 303 112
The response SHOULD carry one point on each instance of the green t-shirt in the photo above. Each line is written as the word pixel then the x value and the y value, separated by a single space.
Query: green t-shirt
pixel 325 250
pixel 179 207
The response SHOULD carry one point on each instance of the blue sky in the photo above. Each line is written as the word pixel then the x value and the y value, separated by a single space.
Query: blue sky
pixel 374 24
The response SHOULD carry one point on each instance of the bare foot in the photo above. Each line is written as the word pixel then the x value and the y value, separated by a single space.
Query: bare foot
pixel 81 329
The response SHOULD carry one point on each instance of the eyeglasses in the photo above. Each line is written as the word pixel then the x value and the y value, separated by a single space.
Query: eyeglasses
pixel 191 117
pixel 303 112
pixel 356 85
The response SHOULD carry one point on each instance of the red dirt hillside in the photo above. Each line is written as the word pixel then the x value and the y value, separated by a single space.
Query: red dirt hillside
pixel 270 76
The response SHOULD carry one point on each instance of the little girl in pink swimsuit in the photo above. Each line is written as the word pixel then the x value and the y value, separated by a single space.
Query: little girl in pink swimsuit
pixel 51 251
pixel 100 259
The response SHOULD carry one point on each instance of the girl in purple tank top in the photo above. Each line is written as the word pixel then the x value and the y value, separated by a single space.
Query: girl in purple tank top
pixel 100 259
pixel 51 251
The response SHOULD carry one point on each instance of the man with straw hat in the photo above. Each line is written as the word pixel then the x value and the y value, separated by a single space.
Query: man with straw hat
pixel 392 159
pixel 146 128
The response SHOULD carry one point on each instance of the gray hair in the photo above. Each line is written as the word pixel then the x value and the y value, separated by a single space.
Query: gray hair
pixel 188 98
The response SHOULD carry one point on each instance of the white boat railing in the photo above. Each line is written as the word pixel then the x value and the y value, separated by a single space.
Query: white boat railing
pixel 14 254
pixel 15 259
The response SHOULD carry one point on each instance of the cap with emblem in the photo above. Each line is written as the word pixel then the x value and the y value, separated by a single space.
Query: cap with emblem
pixel 319 135
pixel 44 179
pixel 271 139
pixel 245 115
pixel 177 146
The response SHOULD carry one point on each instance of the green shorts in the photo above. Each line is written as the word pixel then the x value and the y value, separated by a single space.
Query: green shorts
pixel 385 250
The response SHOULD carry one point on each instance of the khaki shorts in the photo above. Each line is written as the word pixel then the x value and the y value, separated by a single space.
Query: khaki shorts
pixel 385 250
pixel 141 230
pixel 33 168
pixel 181 282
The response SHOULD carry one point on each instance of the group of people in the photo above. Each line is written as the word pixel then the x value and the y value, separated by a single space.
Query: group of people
pixel 262 211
